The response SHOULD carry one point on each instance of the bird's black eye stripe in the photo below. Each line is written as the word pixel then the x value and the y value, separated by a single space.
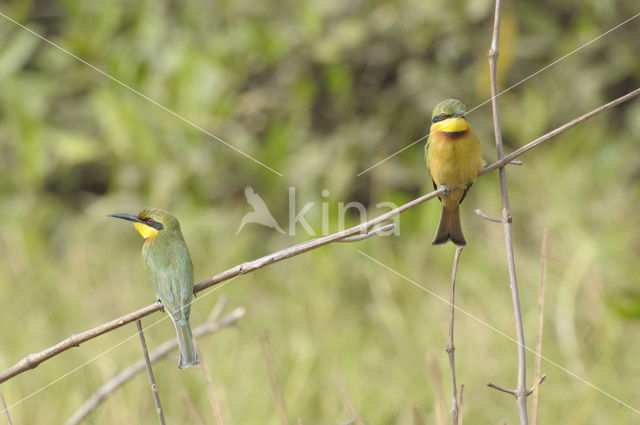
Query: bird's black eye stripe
pixel 157 225
pixel 439 118
pixel 153 223
pixel 442 117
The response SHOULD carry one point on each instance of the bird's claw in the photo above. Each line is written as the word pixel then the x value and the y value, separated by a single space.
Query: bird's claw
pixel 161 306
pixel 445 190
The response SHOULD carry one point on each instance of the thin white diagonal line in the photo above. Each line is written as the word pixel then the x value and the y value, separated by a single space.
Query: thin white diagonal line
pixel 507 89
pixel 111 348
pixel 500 332
pixel 114 79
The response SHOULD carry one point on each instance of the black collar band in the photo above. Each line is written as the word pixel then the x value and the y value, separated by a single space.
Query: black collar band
pixel 454 134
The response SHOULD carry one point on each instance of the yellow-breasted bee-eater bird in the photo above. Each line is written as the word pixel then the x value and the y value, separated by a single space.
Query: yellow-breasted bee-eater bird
pixel 166 258
pixel 454 159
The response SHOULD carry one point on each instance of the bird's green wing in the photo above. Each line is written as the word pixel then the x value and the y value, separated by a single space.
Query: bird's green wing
pixel 168 264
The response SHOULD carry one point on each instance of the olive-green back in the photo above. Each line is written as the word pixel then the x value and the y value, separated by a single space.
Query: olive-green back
pixel 167 260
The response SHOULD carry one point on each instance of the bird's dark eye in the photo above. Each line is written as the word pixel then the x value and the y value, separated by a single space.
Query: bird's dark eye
pixel 439 118
pixel 150 220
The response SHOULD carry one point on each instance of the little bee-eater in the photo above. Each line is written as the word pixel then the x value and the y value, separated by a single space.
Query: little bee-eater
pixel 454 159
pixel 169 267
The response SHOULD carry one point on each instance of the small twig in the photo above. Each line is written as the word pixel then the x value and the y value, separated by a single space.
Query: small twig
pixel 355 417
pixel 147 361
pixel 499 388
pixel 275 386
pixel 215 407
pixel 521 388
pixel 191 409
pixel 450 347
pixel 513 392
pixel 5 410
pixel 537 384
pixel 33 360
pixel 486 217
pixel 162 351
pixel 536 364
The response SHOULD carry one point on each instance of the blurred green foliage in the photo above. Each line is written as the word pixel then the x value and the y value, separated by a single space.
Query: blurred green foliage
pixel 318 91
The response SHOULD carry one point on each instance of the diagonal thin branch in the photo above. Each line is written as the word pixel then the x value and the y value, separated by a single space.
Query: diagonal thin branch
pixel 521 389
pixel 501 162
pixel 33 360
pixel 6 411
pixel 152 380
pixel 108 388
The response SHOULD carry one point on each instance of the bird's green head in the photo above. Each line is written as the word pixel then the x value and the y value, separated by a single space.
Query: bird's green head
pixel 149 222
pixel 448 108
pixel 448 117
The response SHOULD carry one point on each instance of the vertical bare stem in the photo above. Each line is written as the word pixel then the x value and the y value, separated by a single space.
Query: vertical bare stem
pixel 154 387
pixel 521 389
pixel 450 347
pixel 417 417
pixel 275 387
pixel 461 404
pixel 217 413
pixel 536 364
pixel 5 410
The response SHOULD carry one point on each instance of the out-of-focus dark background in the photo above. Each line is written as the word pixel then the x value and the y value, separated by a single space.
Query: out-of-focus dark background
pixel 319 92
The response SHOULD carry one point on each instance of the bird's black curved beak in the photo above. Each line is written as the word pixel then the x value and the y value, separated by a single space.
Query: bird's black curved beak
pixel 129 217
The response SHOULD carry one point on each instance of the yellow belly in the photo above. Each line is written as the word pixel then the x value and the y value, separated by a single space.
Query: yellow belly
pixel 455 163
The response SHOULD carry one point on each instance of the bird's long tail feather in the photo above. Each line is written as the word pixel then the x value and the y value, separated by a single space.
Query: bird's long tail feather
pixel 188 355
pixel 449 228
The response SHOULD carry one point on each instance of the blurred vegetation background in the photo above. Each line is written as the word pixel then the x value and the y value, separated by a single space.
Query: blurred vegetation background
pixel 319 91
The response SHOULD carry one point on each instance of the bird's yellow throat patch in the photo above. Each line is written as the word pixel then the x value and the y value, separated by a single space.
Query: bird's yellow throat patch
pixel 146 231
pixel 450 125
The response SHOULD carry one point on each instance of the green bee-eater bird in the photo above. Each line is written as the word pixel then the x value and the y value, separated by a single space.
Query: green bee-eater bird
pixel 454 159
pixel 166 258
